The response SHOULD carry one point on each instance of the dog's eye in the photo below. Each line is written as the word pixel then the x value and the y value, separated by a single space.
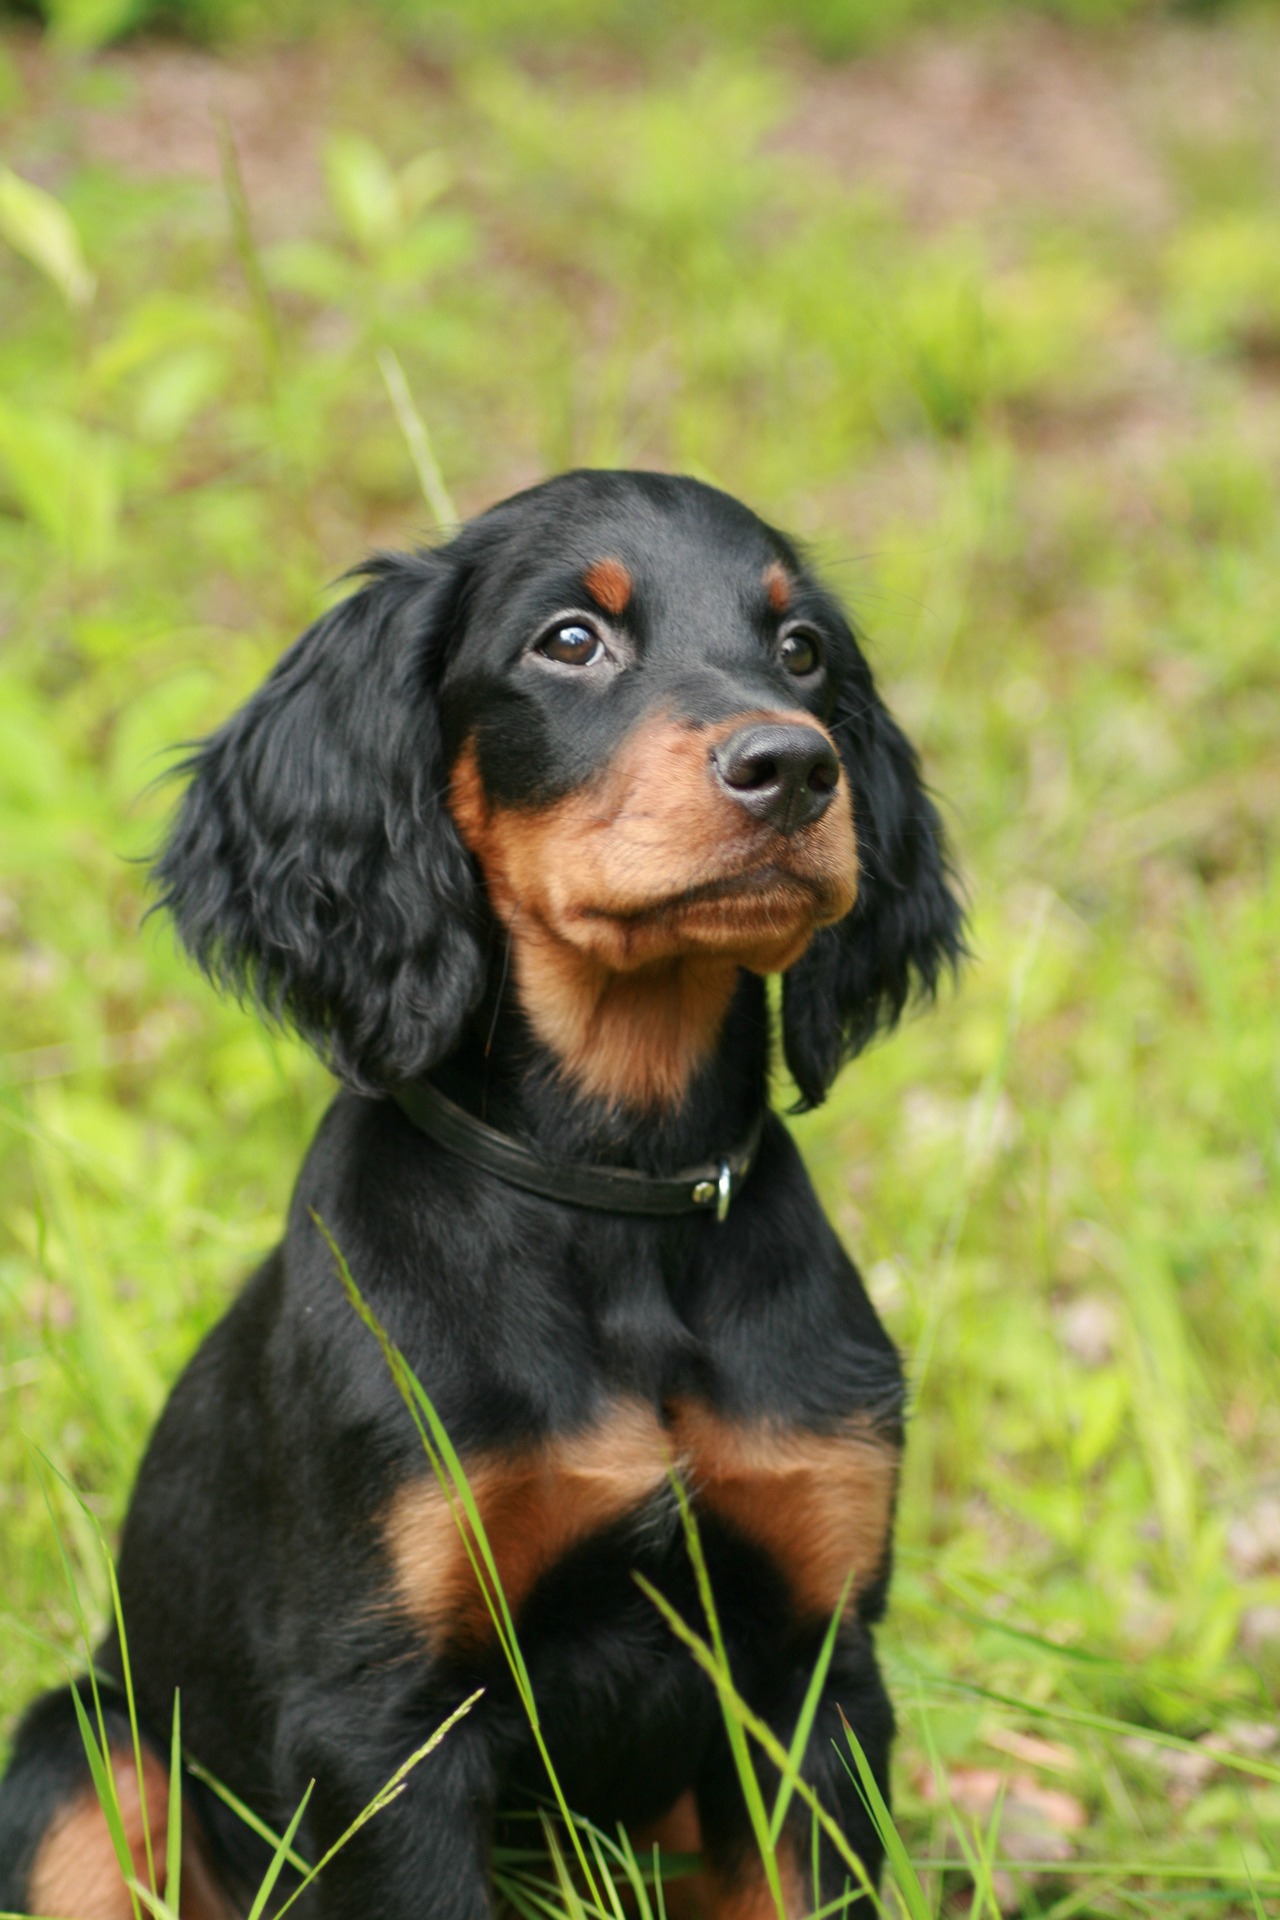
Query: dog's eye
pixel 800 653
pixel 573 645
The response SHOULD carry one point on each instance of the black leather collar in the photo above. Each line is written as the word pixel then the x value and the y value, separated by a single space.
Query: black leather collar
pixel 704 1189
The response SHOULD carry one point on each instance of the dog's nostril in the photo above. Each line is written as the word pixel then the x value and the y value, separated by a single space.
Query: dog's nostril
pixel 783 774
pixel 749 774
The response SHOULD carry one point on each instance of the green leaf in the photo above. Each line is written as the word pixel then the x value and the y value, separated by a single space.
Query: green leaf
pixel 39 228
pixel 64 478
pixel 364 191
pixel 88 24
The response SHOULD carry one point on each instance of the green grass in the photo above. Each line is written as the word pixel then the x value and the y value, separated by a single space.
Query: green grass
pixel 1037 446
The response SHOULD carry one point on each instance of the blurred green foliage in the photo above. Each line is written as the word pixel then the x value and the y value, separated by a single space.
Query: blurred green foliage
pixel 1038 448
pixel 831 28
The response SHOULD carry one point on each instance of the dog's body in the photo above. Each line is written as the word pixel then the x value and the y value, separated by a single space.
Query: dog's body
pixel 534 811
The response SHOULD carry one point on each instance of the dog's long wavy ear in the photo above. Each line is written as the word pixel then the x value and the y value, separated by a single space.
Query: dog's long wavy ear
pixel 313 867
pixel 906 925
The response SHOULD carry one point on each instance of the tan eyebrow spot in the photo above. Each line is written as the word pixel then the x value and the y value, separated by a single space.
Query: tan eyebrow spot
pixel 777 585
pixel 609 584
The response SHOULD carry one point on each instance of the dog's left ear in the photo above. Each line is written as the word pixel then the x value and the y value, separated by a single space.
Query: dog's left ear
pixel 313 867
pixel 905 927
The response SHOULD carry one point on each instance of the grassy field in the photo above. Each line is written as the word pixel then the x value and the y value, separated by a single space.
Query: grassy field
pixel 992 317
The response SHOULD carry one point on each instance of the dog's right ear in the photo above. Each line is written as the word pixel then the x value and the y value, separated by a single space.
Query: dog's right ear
pixel 313 867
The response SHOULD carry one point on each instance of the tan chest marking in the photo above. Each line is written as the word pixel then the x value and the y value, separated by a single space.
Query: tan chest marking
pixel 820 1505
pixel 535 1506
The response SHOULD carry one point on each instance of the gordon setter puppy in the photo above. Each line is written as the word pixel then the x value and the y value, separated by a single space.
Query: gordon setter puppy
pixel 513 836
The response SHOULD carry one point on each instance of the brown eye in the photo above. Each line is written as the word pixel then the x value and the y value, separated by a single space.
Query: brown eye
pixel 573 645
pixel 800 653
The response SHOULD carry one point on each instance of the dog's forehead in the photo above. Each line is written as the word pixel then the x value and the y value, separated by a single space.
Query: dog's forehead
pixel 635 550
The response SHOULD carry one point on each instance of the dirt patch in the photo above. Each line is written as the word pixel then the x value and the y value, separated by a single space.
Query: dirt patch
pixel 968 129
pixel 277 110
pixel 1027 116
pixel 1020 117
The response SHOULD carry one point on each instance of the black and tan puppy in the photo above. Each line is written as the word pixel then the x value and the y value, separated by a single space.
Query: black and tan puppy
pixel 531 814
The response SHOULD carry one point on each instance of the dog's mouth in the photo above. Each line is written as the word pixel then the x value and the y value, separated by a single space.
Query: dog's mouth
pixel 760 915
pixel 766 885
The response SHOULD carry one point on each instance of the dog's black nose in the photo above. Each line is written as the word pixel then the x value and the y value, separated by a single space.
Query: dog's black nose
pixel 784 775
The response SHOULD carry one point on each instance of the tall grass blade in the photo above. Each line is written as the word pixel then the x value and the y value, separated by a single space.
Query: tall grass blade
pixel 607 1880
pixel 449 1473
pixel 247 249
pixel 1254 1896
pixel 659 1891
pixel 984 1108
pixel 908 1884
pixel 569 1895
pixel 251 1820
pixel 126 1670
pixel 456 1488
pixel 97 1746
pixel 104 1785
pixel 418 440
pixel 748 1779
pixel 809 1708
pixel 279 1857
pixel 173 1839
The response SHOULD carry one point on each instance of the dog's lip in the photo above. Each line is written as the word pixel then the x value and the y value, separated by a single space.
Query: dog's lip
pixel 766 878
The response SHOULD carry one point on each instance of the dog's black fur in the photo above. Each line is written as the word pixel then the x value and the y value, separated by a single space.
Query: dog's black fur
pixel 317 866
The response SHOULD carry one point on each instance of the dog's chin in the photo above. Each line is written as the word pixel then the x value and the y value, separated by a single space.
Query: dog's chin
pixel 761 920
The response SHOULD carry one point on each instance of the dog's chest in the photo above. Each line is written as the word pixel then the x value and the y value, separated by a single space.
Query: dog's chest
pixel 818 1504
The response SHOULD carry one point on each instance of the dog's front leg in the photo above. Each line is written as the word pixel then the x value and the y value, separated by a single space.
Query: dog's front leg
pixel 736 1886
pixel 426 1854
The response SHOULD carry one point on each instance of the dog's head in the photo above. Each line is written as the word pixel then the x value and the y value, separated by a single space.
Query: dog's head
pixel 616 714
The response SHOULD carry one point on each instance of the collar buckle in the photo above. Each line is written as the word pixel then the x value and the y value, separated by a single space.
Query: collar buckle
pixel 717 1192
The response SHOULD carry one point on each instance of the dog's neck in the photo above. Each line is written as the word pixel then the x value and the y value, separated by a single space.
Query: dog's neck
pixel 504 1073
